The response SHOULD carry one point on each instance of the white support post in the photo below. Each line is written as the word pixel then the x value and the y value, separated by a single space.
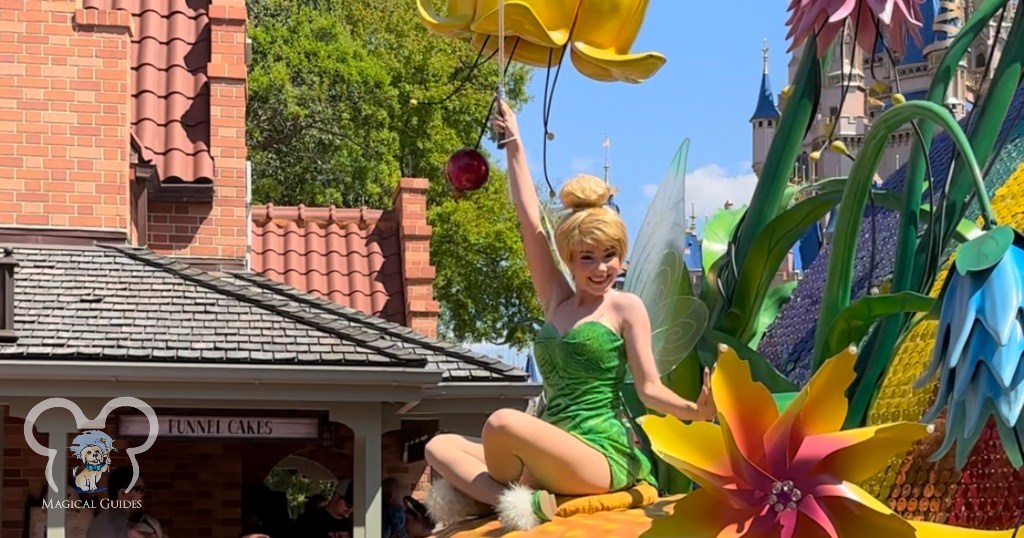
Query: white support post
pixel 367 429
pixel 56 426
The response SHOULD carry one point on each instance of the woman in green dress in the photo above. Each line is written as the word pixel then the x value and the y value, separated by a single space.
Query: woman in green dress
pixel 579 445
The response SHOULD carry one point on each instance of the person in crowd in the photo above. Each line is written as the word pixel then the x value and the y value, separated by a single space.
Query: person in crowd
pixel 333 520
pixel 144 525
pixel 393 511
pixel 113 521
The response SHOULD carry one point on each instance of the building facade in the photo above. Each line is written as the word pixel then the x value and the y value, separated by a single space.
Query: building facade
pixel 132 264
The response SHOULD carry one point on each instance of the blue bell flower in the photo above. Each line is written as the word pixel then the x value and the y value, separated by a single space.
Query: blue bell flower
pixel 978 349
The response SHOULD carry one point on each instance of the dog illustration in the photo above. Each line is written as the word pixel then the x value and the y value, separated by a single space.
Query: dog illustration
pixel 93 448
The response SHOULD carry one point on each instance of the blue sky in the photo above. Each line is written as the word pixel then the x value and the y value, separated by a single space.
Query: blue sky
pixel 706 91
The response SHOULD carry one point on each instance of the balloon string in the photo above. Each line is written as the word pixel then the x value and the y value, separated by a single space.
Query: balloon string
pixel 490 110
pixel 479 60
pixel 502 60
pixel 549 96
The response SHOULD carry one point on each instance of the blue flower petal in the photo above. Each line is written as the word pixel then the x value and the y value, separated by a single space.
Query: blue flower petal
pixel 978 358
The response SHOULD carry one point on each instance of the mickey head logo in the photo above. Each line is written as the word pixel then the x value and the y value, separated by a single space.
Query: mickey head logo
pixel 97 423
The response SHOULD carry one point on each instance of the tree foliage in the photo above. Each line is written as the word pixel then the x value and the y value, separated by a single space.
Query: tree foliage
pixel 332 120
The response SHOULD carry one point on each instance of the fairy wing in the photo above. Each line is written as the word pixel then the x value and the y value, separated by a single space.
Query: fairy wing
pixel 549 212
pixel 657 271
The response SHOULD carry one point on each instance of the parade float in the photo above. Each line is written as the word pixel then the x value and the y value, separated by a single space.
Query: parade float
pixel 904 418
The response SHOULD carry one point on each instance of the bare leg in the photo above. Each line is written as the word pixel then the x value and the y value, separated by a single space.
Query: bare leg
pixel 515 442
pixel 461 462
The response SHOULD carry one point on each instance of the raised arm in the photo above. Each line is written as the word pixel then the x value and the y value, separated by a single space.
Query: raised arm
pixel 548 280
pixel 636 330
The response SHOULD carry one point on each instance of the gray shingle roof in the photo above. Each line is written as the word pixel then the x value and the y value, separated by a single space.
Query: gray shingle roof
pixel 123 303
pixel 788 342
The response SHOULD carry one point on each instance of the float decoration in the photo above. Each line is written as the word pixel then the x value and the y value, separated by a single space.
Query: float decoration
pixel 792 474
pixel 598 33
pixel 790 448
pixel 979 347
pixel 872 19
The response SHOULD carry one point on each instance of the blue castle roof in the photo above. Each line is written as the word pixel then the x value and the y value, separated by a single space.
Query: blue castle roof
pixel 766 109
pixel 914 52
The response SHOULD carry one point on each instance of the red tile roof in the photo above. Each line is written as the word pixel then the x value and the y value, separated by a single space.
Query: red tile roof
pixel 349 256
pixel 171 48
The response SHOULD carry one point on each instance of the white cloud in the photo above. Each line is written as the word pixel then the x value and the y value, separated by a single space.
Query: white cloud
pixel 708 187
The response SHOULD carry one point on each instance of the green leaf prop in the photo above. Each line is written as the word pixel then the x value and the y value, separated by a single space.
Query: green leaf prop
pixel 839 280
pixel 760 369
pixel 797 114
pixel 853 322
pixel 985 250
pixel 965 230
pixel 773 301
pixel 766 255
pixel 718 233
pixel 783 399
pixel 916 259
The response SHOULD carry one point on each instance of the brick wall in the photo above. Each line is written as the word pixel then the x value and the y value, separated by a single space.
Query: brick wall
pixel 411 212
pixel 64 115
pixel 193 487
pixel 217 229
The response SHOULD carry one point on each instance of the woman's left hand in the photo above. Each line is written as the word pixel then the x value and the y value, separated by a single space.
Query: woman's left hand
pixel 706 401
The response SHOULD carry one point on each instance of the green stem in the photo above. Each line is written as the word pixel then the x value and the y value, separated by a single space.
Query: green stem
pixel 786 145
pixel 839 281
pixel 985 127
pixel 907 271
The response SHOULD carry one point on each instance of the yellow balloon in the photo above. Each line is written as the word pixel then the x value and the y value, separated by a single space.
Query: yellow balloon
pixel 599 33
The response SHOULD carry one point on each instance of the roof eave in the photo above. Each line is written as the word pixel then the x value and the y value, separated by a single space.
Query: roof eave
pixel 472 398
pixel 449 390
pixel 237 373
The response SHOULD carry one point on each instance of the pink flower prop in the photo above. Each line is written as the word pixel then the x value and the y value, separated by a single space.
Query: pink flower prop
pixel 896 19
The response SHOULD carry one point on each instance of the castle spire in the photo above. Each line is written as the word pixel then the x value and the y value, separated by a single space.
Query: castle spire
pixel 607 163
pixel 766 109
pixel 764 57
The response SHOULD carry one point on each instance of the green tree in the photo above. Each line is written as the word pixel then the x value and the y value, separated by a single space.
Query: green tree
pixel 347 97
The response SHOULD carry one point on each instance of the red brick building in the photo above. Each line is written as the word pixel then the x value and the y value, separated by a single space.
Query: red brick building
pixel 133 265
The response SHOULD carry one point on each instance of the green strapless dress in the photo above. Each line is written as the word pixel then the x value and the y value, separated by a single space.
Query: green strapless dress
pixel 583 371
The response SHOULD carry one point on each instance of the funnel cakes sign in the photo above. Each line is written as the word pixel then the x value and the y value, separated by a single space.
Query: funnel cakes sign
pixel 224 427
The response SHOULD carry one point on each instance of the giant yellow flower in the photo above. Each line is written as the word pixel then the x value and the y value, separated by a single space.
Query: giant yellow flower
pixel 762 474
pixel 599 33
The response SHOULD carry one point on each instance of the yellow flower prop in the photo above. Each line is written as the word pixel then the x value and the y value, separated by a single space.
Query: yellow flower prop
pixel 599 33
pixel 762 474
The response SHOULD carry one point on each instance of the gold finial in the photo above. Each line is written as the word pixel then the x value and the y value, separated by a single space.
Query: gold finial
pixel 764 56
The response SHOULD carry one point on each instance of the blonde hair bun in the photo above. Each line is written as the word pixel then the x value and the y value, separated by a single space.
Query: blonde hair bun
pixel 584 192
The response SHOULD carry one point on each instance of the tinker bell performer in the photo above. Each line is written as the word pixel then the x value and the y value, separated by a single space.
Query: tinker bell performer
pixel 579 445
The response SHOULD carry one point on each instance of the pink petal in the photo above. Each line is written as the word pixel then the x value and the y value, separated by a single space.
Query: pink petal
pixel 867 36
pixel 827 36
pixel 815 512
pixel 883 9
pixel 787 522
pixel 842 10
pixel 743 466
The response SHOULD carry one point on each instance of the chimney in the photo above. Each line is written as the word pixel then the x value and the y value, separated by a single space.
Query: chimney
pixel 410 205
pixel 7 265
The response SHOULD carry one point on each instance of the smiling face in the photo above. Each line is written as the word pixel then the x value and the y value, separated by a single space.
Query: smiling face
pixel 594 269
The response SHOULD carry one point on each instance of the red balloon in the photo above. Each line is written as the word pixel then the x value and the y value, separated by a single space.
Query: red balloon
pixel 467 170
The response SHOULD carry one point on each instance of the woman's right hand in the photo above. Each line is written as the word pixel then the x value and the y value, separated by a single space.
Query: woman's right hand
pixel 504 122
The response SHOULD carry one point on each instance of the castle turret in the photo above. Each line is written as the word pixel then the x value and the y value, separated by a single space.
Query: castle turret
pixel 766 116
